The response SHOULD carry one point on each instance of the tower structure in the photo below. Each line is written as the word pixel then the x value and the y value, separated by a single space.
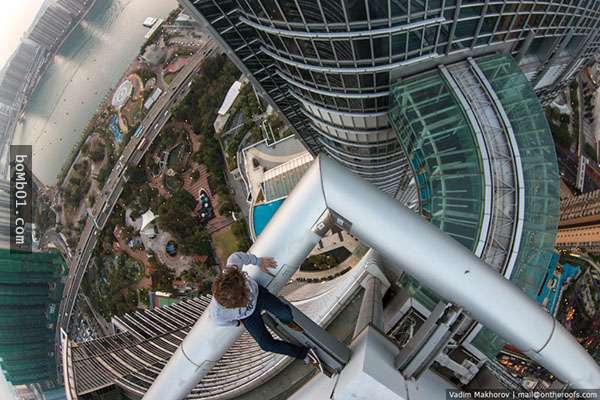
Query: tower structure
pixel 579 226
pixel 30 291
pixel 435 102
pixel 329 65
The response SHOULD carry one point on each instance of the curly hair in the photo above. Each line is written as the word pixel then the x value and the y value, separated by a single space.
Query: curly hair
pixel 230 289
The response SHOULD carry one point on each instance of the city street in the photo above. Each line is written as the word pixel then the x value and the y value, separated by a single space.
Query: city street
pixel 132 155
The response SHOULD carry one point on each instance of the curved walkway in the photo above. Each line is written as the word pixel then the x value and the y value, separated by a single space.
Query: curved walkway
pixel 327 274
pixel 271 157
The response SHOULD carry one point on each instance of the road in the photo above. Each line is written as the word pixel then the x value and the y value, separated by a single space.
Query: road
pixel 152 124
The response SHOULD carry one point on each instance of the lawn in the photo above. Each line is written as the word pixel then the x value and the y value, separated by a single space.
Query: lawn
pixel 169 78
pixel 224 242
pixel 132 112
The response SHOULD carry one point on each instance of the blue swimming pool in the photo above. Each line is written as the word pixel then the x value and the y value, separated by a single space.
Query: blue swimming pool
pixel 263 214
pixel 555 280
pixel 114 127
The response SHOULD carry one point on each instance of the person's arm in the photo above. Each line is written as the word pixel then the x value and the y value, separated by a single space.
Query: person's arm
pixel 220 316
pixel 239 259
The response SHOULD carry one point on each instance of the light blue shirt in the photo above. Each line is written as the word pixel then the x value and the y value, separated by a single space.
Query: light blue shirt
pixel 229 316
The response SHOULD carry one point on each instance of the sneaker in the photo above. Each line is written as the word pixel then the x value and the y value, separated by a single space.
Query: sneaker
pixel 295 327
pixel 313 360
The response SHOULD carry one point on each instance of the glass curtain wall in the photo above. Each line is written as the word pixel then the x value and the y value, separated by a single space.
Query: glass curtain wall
pixel 443 155
pixel 446 161
pixel 540 171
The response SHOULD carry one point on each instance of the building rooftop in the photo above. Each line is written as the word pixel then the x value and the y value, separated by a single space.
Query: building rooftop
pixel 147 219
pixel 278 182
pixel 230 97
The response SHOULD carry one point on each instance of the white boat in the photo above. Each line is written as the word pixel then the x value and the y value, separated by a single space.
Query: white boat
pixel 148 22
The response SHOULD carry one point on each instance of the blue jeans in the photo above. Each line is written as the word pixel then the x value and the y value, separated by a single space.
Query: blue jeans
pixel 256 326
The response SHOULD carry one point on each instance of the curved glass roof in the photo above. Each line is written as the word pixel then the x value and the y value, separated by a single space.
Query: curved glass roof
pixel 540 173
pixel 442 150
pixel 446 161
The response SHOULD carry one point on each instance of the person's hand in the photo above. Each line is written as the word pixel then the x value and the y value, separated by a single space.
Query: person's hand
pixel 266 263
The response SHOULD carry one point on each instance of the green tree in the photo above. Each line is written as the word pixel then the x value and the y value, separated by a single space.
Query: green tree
pixel 198 242
pixel 589 151
pixel 176 215
pixel 162 278
pixel 136 175
pixel 97 152
pixel 240 231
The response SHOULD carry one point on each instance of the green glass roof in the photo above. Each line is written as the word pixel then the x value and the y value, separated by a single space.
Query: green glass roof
pixel 445 159
pixel 541 178
pixel 443 155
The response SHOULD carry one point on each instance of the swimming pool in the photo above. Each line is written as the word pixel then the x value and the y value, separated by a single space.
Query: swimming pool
pixel 114 127
pixel 555 280
pixel 263 214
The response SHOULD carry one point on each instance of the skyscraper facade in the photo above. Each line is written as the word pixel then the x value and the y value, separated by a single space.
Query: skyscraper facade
pixel 580 210
pixel 31 290
pixel 579 226
pixel 329 65
pixel 485 170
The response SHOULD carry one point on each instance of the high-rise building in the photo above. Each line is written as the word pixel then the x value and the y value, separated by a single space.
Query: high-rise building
pixel 75 7
pixel 30 288
pixel 579 226
pixel 580 210
pixel 485 170
pixel 330 65
pixel 435 102
pixel 4 214
pixel 51 27
pixel 19 75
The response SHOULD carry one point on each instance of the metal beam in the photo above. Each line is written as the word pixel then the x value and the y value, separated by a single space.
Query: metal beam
pixel 289 238
pixel 327 194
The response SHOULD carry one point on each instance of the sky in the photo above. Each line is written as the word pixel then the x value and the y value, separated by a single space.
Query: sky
pixel 15 18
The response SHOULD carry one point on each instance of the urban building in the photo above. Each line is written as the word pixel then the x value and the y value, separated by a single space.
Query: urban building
pixel 579 239
pixel 19 74
pixel 485 170
pixel 580 210
pixel 579 226
pixel 17 80
pixel 51 27
pixel 30 284
pixel 4 214
pixel 436 103
pixel 329 66
pixel 22 72
pixel 75 7
pixel 8 120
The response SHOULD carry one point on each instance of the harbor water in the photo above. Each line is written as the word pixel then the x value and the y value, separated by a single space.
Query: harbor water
pixel 89 63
